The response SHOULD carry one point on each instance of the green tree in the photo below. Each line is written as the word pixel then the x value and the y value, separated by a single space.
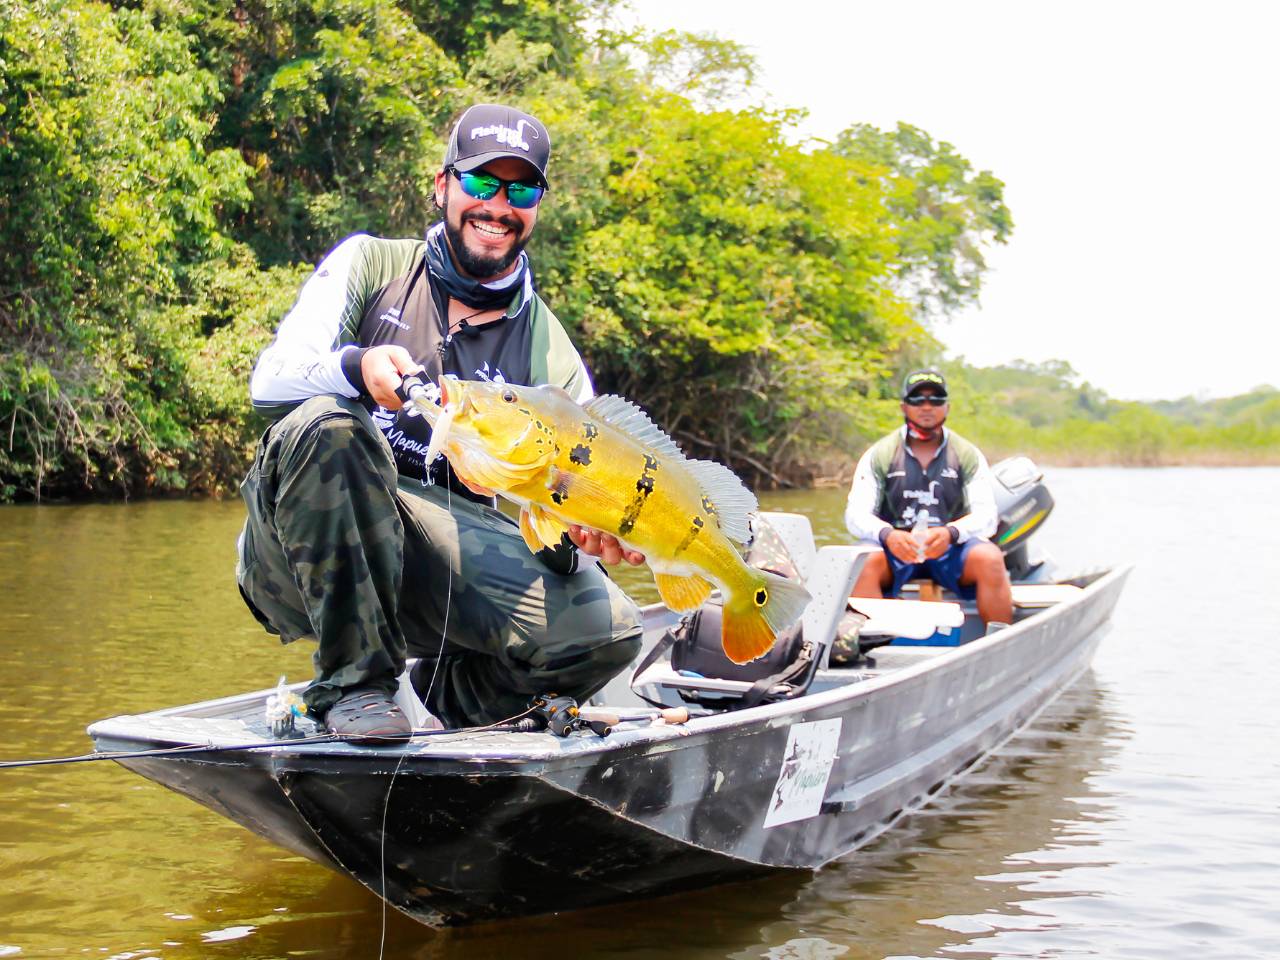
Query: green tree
pixel 943 212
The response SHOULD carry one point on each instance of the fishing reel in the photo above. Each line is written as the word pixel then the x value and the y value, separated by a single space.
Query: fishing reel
pixel 560 715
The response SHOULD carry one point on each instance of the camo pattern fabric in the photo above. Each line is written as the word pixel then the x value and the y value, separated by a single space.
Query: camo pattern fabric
pixel 337 547
pixel 845 648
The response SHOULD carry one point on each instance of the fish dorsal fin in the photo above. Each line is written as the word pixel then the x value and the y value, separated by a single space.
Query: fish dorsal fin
pixel 626 416
pixel 729 495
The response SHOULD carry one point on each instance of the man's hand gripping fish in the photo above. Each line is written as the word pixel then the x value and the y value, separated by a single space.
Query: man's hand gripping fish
pixel 606 466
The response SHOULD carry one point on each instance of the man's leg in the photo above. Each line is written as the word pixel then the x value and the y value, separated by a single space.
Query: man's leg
pixel 493 625
pixel 984 569
pixel 321 554
pixel 875 577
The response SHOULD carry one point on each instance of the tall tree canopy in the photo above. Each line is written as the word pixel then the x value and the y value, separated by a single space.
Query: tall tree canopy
pixel 170 170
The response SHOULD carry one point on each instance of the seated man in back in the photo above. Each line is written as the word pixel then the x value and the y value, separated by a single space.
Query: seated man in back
pixel 926 468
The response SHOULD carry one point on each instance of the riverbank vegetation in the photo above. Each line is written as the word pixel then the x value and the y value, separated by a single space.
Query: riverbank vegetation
pixel 171 170
pixel 1047 411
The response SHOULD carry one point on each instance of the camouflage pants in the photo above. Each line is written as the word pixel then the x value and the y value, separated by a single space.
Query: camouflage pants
pixel 339 548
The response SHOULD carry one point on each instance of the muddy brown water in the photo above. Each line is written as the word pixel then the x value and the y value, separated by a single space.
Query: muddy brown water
pixel 1139 816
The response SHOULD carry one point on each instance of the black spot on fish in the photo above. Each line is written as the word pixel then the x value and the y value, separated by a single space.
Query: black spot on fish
pixel 627 525
pixel 650 463
pixel 581 455
pixel 695 528
pixel 645 484
pixel 558 484
pixel 761 597
pixel 590 431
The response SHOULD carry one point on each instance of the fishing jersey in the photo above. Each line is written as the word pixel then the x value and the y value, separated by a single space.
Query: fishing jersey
pixel 890 488
pixel 370 291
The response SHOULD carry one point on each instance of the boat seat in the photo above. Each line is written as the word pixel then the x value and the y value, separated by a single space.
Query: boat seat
pixel 914 619
pixel 832 573
pixel 927 589
pixel 796 534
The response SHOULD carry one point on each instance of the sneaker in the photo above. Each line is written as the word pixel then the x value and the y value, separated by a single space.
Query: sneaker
pixel 368 715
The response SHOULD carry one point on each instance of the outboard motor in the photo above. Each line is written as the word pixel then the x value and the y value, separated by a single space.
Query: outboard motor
pixel 1023 503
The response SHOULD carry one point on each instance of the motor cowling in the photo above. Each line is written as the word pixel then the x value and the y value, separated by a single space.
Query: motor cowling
pixel 1023 503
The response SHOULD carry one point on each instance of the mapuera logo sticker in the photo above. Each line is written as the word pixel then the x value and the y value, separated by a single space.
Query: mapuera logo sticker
pixel 511 136
pixel 806 767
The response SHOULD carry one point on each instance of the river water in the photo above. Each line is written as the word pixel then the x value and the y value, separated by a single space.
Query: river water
pixel 1138 817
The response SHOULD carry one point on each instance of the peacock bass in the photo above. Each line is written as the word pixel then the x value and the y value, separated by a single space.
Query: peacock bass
pixel 607 466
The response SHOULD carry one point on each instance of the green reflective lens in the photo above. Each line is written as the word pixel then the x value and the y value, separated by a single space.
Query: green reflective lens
pixel 523 195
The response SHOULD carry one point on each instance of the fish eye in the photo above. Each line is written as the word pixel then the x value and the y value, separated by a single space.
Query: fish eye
pixel 509 396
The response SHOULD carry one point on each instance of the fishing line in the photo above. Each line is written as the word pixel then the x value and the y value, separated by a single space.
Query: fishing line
pixel 386 803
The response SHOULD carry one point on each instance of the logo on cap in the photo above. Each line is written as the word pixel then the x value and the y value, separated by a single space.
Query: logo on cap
pixel 512 137
pixel 923 378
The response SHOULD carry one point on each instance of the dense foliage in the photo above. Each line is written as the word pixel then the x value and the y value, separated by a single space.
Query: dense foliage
pixel 170 170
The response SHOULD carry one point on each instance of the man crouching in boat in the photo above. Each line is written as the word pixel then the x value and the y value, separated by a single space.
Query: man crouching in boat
pixel 352 539
pixel 925 468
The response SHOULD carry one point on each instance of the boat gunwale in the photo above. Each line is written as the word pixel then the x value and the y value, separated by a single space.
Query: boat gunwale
pixel 493 749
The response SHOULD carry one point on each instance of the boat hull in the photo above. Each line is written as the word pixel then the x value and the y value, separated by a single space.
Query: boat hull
pixel 481 826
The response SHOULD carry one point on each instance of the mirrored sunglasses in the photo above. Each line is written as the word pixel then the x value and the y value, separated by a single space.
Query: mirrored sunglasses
pixel 919 400
pixel 485 186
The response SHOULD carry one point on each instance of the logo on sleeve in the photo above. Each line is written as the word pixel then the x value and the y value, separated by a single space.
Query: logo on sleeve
pixel 392 316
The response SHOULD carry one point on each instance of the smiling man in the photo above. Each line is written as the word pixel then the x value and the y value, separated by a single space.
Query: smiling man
pixel 925 472
pixel 352 539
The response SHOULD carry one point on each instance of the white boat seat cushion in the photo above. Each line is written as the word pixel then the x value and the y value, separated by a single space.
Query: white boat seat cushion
pixel 914 619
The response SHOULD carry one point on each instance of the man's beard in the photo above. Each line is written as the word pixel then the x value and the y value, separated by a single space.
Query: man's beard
pixel 482 267
pixel 917 432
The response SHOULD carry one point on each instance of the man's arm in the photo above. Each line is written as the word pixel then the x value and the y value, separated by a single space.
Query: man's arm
pixel 981 520
pixel 314 351
pixel 859 511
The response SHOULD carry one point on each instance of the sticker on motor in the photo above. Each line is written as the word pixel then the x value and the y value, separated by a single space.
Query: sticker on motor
pixel 806 767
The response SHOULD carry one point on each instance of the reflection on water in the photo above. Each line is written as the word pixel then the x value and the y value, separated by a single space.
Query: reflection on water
pixel 1136 817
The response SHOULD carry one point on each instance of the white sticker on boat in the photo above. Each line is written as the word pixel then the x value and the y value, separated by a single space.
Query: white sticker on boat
pixel 806 767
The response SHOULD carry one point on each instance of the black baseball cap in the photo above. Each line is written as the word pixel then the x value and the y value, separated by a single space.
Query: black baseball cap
pixel 916 379
pixel 489 131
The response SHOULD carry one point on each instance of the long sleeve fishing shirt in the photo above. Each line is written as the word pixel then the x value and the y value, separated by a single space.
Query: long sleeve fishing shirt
pixel 890 488
pixel 370 291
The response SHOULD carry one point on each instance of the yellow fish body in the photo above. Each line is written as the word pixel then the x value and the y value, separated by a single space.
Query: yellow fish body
pixel 605 465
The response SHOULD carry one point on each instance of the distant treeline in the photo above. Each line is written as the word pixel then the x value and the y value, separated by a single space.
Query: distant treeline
pixel 170 170
pixel 1045 410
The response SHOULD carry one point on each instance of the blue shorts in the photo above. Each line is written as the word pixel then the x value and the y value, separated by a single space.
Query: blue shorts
pixel 945 570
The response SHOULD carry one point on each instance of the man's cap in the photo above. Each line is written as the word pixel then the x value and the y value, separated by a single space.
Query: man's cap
pixel 489 131
pixel 916 379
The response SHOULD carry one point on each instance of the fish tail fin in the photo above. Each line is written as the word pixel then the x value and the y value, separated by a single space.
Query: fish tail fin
pixel 755 614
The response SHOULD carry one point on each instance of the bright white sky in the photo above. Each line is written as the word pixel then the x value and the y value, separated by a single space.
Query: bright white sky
pixel 1139 143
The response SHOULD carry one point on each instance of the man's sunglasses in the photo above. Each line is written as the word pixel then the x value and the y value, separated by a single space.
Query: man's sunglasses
pixel 919 400
pixel 485 186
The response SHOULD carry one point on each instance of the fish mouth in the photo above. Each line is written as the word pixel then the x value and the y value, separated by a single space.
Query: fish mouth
pixel 453 401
